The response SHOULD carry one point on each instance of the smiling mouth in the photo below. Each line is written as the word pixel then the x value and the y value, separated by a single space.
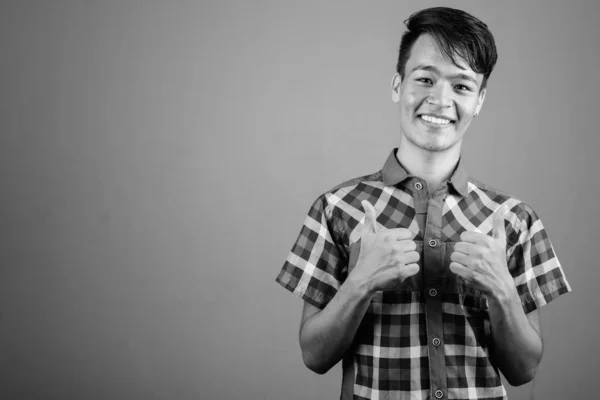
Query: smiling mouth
pixel 438 121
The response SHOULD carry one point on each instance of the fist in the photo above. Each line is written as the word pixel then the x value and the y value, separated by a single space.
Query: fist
pixel 481 259
pixel 387 256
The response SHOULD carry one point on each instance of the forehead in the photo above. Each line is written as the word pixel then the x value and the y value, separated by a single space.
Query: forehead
pixel 426 52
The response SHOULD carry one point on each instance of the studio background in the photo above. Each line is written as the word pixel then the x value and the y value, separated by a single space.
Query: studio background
pixel 157 160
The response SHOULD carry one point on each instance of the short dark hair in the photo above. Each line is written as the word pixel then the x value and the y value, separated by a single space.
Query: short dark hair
pixel 457 33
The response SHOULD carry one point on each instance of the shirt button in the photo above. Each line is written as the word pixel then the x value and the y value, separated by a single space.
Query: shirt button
pixel 433 243
pixel 432 292
pixel 439 394
pixel 419 185
pixel 436 342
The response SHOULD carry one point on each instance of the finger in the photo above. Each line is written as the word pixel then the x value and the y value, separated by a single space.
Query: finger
pixel 499 231
pixel 460 258
pixel 410 257
pixel 370 217
pixel 406 245
pixel 410 270
pixel 464 247
pixel 472 237
pixel 400 234
pixel 460 270
pixel 403 246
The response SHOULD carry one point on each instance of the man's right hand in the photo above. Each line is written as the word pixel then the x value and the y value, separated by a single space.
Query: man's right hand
pixel 387 256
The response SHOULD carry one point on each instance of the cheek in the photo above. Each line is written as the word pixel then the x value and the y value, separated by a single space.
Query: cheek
pixel 465 112
pixel 411 100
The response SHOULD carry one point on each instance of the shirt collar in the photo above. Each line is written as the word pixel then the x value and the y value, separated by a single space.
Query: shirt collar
pixel 393 173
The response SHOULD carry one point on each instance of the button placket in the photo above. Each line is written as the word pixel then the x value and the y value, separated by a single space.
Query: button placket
pixel 432 269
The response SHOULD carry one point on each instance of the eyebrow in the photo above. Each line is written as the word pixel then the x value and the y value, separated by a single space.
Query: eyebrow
pixel 433 69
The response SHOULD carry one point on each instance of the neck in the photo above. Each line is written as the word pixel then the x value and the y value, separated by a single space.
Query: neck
pixel 434 167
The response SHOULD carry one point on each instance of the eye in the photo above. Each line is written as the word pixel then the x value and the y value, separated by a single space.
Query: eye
pixel 424 80
pixel 463 88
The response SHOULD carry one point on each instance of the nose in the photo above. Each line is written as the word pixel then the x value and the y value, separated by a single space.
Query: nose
pixel 440 95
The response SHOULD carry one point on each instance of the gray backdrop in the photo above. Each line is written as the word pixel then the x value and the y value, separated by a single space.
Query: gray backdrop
pixel 157 160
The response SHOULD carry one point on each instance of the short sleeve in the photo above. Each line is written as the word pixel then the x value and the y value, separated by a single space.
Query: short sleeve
pixel 314 268
pixel 533 264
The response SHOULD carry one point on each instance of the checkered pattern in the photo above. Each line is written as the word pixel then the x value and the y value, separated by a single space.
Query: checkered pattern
pixel 392 353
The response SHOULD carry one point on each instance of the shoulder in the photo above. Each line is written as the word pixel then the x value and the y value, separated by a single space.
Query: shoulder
pixel 351 184
pixel 344 198
pixel 350 192
pixel 523 214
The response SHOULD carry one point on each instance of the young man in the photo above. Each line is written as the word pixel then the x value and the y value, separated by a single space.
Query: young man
pixel 425 282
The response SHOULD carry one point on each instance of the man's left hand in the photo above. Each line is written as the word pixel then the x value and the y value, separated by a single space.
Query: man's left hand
pixel 481 259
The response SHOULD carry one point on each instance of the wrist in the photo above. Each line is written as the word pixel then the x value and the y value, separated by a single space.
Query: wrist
pixel 505 296
pixel 358 286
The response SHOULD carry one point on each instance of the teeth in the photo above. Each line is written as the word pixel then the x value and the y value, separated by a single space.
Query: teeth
pixel 434 120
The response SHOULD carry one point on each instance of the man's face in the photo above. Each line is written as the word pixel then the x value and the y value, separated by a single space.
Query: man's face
pixel 437 99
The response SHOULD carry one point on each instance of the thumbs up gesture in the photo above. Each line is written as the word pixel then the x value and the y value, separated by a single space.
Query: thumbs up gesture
pixel 387 256
pixel 481 259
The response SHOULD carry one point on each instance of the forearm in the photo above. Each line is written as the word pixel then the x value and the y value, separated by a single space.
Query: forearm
pixel 326 336
pixel 517 349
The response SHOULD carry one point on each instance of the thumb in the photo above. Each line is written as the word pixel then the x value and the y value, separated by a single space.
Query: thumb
pixel 499 232
pixel 370 217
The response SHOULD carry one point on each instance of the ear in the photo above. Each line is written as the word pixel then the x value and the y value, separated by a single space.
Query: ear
pixel 480 101
pixel 396 82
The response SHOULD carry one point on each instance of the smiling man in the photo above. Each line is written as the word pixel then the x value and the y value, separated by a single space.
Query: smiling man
pixel 426 283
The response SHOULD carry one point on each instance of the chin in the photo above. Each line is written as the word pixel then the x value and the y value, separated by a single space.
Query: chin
pixel 435 147
pixel 433 142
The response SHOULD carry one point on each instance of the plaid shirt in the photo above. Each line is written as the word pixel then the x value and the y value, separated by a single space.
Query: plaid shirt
pixel 429 338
